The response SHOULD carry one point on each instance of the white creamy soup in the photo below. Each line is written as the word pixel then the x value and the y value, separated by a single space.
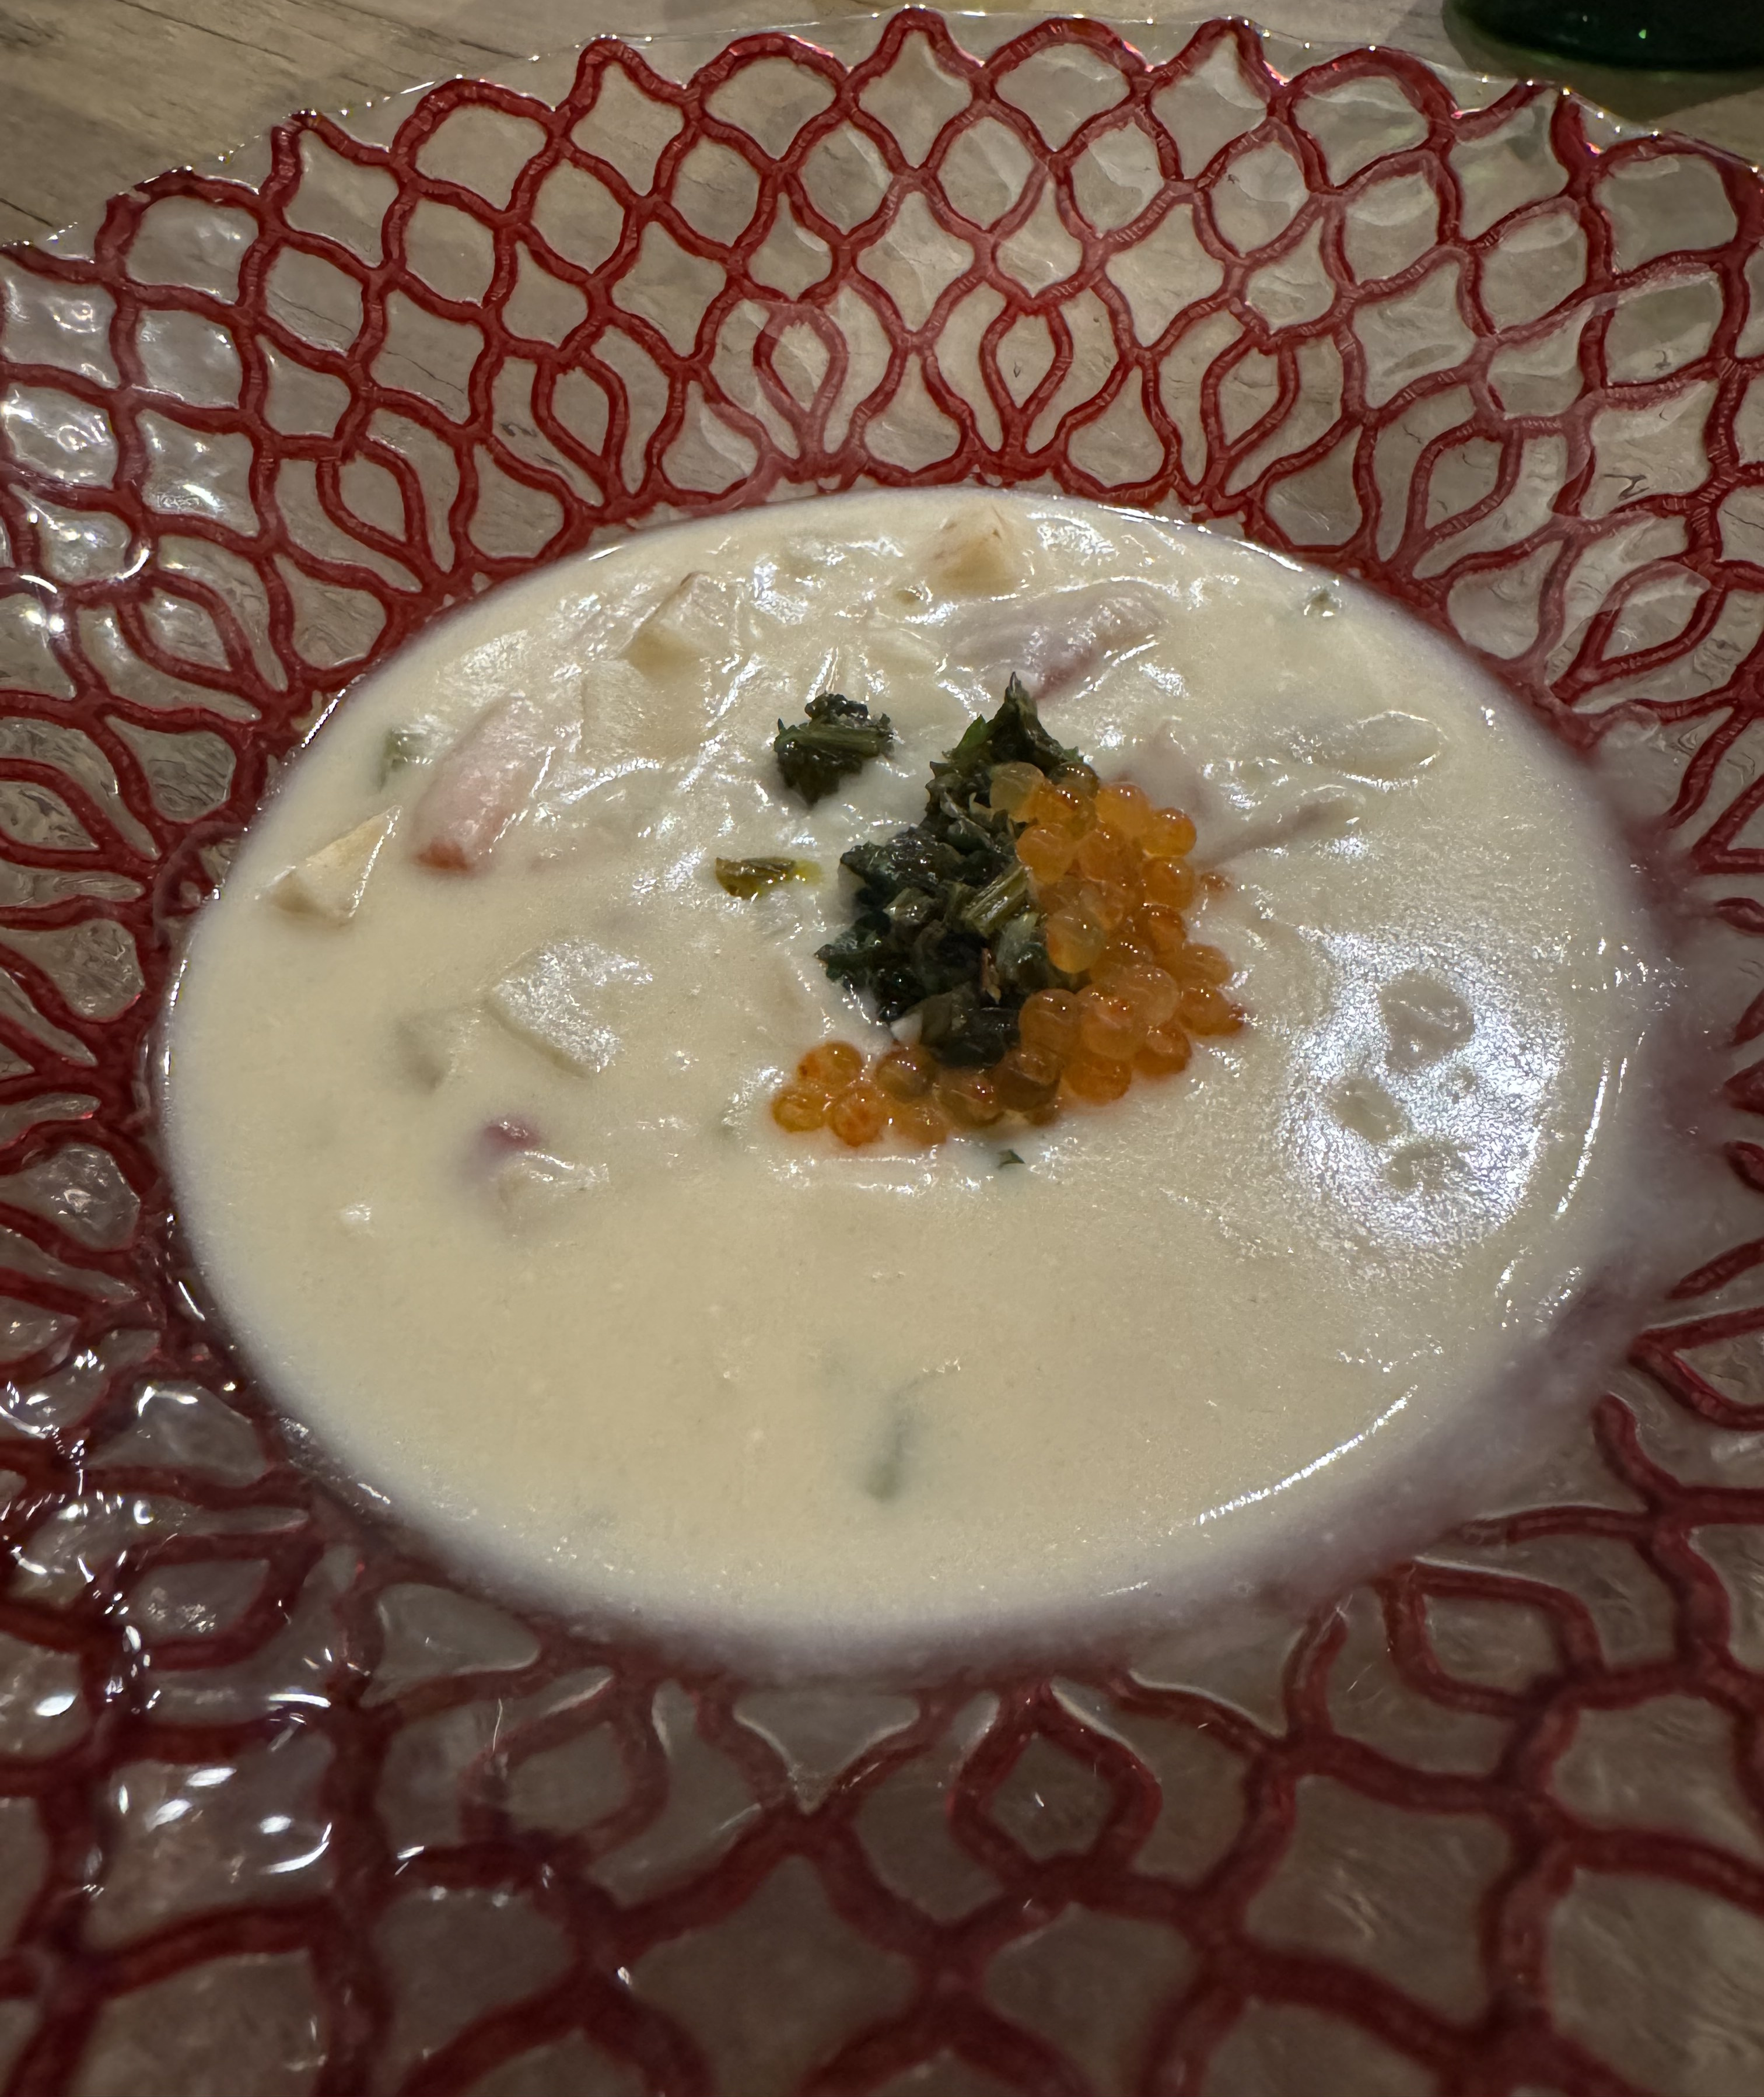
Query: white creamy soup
pixel 470 1122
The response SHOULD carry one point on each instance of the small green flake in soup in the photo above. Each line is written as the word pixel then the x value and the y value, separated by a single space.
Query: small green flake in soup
pixel 748 878
pixel 411 742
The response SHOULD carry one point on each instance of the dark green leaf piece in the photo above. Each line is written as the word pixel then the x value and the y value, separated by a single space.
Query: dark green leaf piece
pixel 945 923
pixel 747 877
pixel 838 738
pixel 1013 736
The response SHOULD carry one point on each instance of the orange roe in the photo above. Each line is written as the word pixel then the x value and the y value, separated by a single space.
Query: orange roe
pixel 1204 1010
pixel 1049 1020
pixel 1197 964
pixel 921 1121
pixel 1062 805
pixel 1046 851
pixel 798 1110
pixel 1165 1052
pixel 1011 786
pixel 1149 993
pixel 1124 808
pixel 860 1113
pixel 1108 1031
pixel 1109 904
pixel 1103 856
pixel 906 1073
pixel 1109 875
pixel 831 1067
pixel 1097 1080
pixel 969 1098
pixel 1169 882
pixel 1168 834
pixel 1027 1078
pixel 1126 948
pixel 1074 940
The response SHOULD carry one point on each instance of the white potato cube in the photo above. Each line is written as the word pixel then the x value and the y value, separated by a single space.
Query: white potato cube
pixel 564 1000
pixel 978 553
pixel 329 885
pixel 689 626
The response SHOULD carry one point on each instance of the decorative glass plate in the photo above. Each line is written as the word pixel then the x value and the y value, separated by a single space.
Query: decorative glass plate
pixel 286 1810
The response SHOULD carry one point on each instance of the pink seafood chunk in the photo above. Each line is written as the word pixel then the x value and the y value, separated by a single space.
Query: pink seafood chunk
pixel 481 786
pixel 1058 641
pixel 496 1139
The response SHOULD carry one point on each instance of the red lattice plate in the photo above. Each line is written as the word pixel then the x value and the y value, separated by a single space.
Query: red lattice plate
pixel 283 1809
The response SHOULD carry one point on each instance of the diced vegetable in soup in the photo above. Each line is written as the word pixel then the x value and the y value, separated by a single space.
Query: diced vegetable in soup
pixel 482 785
pixel 900 1069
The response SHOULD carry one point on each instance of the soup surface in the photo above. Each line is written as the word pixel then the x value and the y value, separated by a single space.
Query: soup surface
pixel 480 1164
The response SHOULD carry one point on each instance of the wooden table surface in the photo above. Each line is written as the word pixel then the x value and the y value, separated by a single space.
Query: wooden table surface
pixel 96 95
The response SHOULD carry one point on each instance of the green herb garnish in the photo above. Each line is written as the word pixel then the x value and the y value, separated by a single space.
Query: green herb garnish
pixel 748 876
pixel 1007 1158
pixel 838 738
pixel 946 924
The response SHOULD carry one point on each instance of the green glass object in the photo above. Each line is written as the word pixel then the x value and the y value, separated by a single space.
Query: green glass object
pixel 1663 36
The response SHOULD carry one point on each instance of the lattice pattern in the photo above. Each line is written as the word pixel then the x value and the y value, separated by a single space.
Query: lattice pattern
pixel 284 1811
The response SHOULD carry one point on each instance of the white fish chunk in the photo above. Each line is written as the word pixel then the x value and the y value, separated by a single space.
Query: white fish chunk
pixel 978 553
pixel 1254 803
pixel 433 1046
pixel 896 669
pixel 890 651
pixel 484 782
pixel 531 1188
pixel 1383 748
pixel 689 626
pixel 330 883
pixel 564 1000
pixel 1312 810
pixel 1056 642
pixel 1261 804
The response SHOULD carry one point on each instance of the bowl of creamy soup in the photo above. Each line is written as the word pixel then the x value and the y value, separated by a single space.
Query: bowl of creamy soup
pixel 471 1072
pixel 879 1013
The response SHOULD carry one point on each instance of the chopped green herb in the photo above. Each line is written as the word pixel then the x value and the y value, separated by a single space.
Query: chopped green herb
pixel 748 876
pixel 1007 1158
pixel 946 923
pixel 838 738
pixel 1013 736
pixel 405 746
